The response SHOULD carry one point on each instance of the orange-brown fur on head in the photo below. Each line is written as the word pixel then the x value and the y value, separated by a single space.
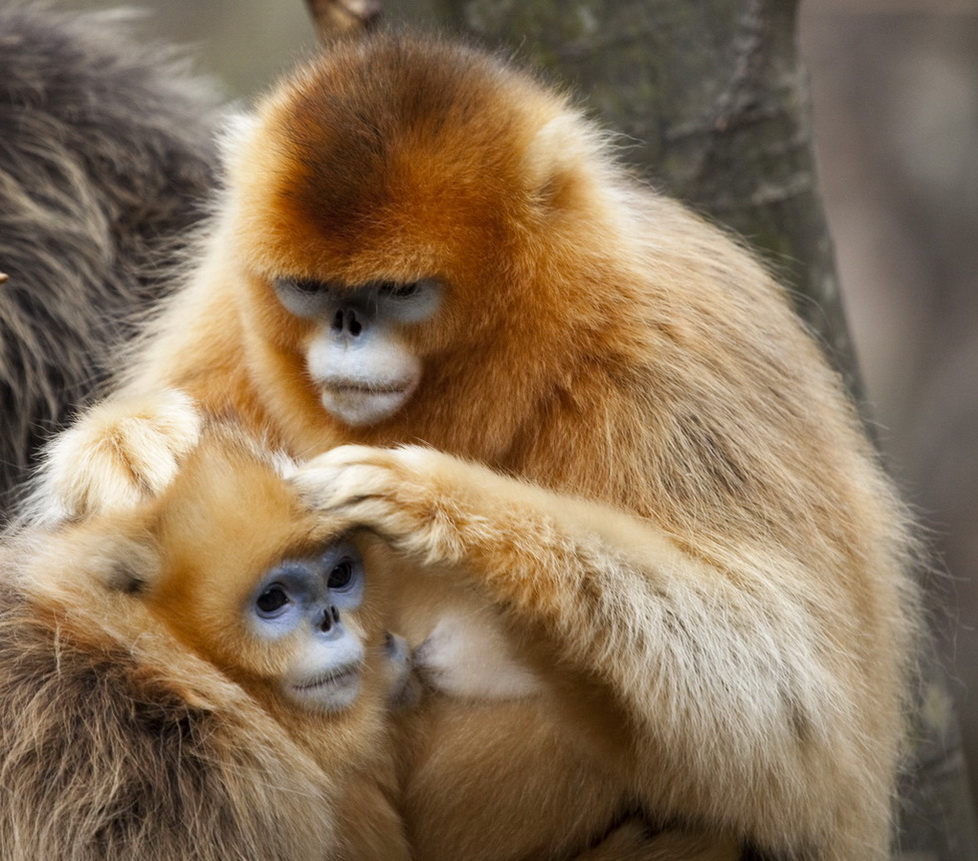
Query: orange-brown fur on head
pixel 132 625
pixel 403 137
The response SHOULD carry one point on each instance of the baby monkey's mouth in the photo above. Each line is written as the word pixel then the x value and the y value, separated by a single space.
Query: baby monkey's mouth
pixel 340 677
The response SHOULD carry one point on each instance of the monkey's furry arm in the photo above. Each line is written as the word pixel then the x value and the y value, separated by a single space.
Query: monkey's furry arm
pixel 729 682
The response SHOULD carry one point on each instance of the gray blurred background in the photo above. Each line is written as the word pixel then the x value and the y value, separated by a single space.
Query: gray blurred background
pixel 895 88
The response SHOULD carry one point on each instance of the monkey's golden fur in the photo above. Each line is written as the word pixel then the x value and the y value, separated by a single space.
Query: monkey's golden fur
pixel 705 564
pixel 139 718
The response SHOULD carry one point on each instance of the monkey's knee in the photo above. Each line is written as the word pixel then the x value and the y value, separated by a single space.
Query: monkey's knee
pixel 117 455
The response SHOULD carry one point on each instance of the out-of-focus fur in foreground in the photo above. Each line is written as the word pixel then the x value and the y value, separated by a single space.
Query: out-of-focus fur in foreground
pixel 638 459
pixel 105 154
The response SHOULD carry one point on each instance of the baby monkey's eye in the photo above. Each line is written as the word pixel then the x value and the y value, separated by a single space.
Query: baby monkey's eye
pixel 274 598
pixel 341 575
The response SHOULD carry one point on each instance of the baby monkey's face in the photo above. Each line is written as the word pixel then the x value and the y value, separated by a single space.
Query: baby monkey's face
pixel 276 594
pixel 307 605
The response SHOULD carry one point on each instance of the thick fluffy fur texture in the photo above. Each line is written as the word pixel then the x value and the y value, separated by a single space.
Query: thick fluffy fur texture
pixel 137 721
pixel 637 457
pixel 106 155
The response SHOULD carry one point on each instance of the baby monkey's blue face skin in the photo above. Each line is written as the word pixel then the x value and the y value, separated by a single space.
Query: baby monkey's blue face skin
pixel 311 601
pixel 364 370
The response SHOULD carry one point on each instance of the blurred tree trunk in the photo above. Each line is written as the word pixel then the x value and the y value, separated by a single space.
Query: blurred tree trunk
pixel 713 100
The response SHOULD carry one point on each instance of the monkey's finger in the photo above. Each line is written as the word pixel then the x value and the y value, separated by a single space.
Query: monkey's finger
pixel 331 487
pixel 348 455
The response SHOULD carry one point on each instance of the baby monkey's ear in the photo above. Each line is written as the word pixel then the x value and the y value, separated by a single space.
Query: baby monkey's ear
pixel 134 569
pixel 118 557
pixel 111 553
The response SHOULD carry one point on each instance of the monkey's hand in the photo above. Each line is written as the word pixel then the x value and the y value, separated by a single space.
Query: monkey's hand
pixel 116 455
pixel 465 657
pixel 405 495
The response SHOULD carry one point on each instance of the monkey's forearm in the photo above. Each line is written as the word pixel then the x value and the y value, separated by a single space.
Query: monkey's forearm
pixel 614 592
pixel 718 657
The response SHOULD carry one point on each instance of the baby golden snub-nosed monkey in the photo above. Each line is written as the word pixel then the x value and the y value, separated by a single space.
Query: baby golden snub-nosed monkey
pixel 204 676
pixel 637 479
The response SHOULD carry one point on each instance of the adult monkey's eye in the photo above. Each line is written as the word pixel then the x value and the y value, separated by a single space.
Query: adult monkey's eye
pixel 305 297
pixel 307 285
pixel 400 291
pixel 341 575
pixel 272 599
